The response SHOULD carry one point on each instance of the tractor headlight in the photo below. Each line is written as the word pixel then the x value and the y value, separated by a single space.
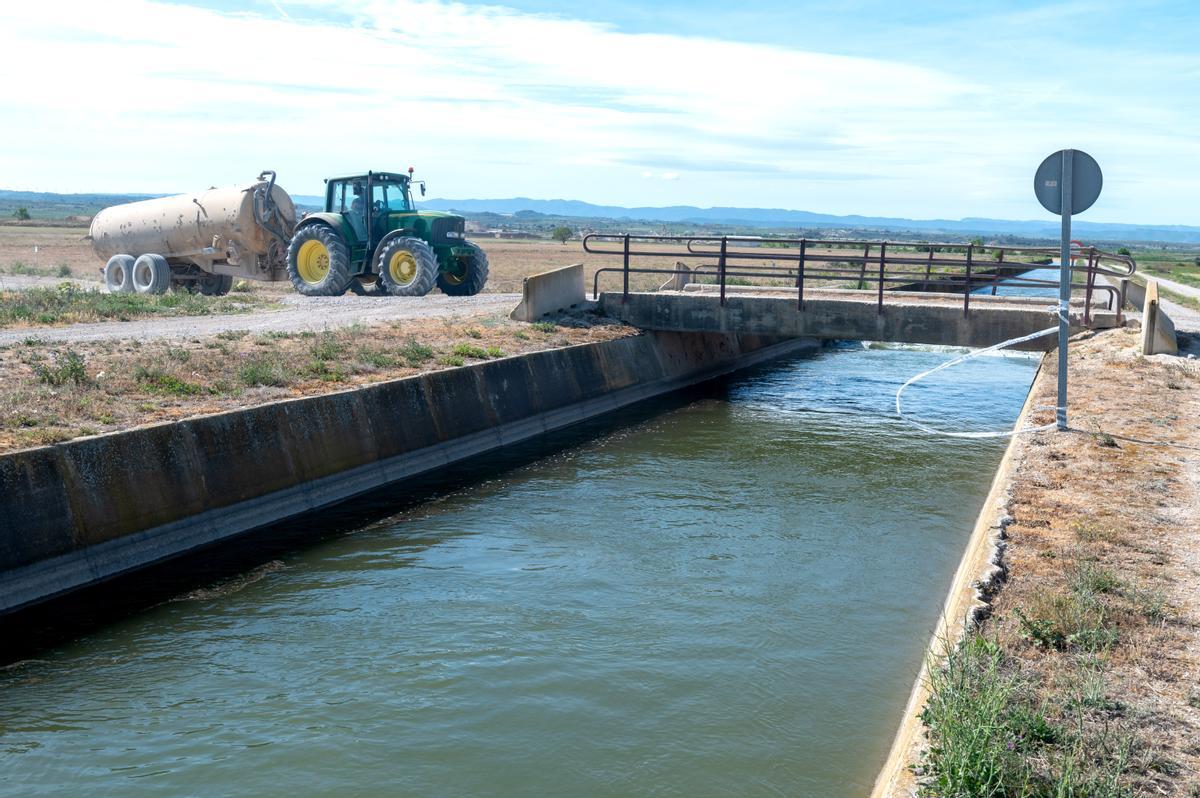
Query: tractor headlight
pixel 453 234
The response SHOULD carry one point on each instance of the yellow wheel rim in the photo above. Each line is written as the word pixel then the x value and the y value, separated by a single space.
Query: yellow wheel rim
pixel 312 262
pixel 402 267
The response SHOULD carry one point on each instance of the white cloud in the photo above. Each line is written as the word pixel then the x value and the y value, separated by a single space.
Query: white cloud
pixel 135 94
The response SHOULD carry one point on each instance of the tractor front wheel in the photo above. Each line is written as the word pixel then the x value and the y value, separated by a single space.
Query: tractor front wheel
pixel 467 274
pixel 407 267
pixel 318 262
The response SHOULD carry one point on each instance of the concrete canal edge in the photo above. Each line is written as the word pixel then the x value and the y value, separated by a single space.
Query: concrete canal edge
pixel 978 570
pixel 79 513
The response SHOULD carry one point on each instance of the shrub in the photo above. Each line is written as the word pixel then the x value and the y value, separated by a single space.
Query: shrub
pixel 67 368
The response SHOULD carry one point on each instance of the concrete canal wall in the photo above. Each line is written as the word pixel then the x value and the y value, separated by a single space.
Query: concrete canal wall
pixel 78 513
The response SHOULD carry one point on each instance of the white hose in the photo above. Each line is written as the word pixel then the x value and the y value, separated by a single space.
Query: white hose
pixel 1060 311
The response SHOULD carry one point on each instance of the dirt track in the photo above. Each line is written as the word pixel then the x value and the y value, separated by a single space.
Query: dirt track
pixel 297 314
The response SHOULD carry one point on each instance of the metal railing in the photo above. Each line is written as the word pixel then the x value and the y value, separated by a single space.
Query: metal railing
pixel 869 265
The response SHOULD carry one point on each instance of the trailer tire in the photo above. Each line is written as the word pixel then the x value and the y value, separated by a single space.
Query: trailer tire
pixel 318 262
pixel 215 284
pixel 151 274
pixel 469 275
pixel 118 274
pixel 407 267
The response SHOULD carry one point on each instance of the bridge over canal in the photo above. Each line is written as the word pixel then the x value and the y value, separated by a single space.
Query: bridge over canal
pixel 948 294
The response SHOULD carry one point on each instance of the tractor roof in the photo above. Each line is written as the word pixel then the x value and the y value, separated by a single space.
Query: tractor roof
pixel 380 175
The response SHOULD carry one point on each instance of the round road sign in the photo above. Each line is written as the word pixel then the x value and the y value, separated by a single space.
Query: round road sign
pixel 1086 181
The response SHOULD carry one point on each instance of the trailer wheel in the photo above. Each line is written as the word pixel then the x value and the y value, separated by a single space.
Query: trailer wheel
pixel 407 267
pixel 467 275
pixel 151 274
pixel 318 263
pixel 215 284
pixel 118 274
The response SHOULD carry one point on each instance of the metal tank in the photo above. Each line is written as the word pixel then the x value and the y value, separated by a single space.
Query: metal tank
pixel 205 239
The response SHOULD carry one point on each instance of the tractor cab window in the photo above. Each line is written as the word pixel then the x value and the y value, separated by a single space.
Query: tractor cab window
pixel 349 199
pixel 390 195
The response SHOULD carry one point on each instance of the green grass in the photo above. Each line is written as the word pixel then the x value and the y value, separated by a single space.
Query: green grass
pixel 67 303
pixel 988 738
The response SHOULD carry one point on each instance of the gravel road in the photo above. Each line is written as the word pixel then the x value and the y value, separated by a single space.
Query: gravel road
pixel 297 314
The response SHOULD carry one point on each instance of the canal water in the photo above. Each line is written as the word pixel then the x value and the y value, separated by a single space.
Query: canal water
pixel 723 593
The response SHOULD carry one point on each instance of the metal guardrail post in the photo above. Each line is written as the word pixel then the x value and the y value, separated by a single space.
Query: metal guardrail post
pixel 721 268
pixel 928 268
pixel 1091 284
pixel 800 275
pixel 967 287
pixel 882 256
pixel 999 271
pixel 625 291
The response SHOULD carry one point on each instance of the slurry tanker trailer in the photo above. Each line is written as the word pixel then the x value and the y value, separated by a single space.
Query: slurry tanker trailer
pixel 370 238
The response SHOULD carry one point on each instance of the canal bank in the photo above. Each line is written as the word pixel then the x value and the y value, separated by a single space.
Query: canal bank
pixel 1066 657
pixel 75 514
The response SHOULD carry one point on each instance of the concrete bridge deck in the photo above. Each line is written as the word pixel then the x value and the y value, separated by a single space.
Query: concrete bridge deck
pixel 906 317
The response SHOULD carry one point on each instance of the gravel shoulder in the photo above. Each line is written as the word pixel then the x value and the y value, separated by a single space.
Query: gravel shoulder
pixel 298 314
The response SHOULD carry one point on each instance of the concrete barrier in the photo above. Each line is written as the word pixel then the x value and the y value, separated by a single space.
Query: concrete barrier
pixel 1158 331
pixel 550 292
pixel 78 513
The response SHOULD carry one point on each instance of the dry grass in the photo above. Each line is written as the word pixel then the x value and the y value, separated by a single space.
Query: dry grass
pixel 55 392
pixel 1097 626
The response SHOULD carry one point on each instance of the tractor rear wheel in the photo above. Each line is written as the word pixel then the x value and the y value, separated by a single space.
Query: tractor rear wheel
pixel 318 262
pixel 466 275
pixel 407 267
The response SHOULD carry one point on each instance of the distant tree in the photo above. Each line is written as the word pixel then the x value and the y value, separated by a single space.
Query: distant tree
pixel 1124 251
pixel 561 234
pixel 21 214
pixel 977 241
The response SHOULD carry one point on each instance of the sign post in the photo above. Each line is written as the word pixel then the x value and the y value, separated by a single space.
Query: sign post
pixel 1066 183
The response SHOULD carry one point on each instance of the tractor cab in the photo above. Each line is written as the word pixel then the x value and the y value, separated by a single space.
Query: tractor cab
pixel 372 239
pixel 368 203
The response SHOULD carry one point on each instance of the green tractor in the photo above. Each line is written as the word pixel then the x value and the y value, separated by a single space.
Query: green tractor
pixel 372 239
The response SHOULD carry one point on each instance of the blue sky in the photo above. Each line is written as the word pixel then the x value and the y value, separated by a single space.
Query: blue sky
pixel 907 109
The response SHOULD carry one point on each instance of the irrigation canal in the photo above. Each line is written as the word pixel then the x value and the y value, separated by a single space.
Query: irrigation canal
pixel 723 593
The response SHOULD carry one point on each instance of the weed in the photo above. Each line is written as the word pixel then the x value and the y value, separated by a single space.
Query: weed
pixel 494 351
pixel 67 368
pixel 378 358
pixel 327 346
pixel 544 326
pixel 178 354
pixel 468 350
pixel 63 271
pixel 520 335
pixel 232 335
pixel 1068 621
pixel 471 332
pixel 241 287
pixel 1094 532
pixel 266 371
pixel 415 353
pixel 1088 578
pixel 159 382
pixel 452 360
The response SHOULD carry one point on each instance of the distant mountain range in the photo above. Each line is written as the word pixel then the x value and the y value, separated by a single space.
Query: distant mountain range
pixel 782 218
pixel 42 204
